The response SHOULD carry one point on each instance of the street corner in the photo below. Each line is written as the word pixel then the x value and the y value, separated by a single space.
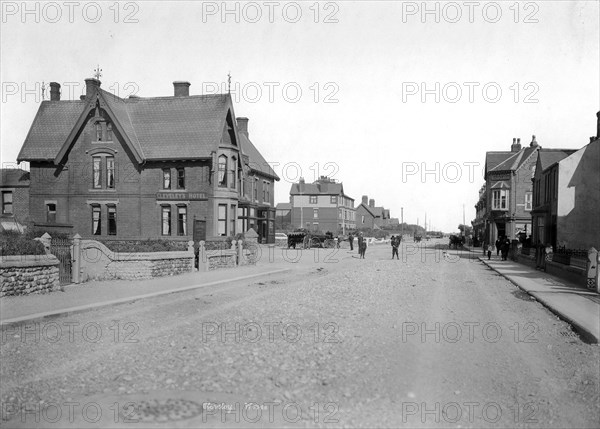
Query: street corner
pixel 157 409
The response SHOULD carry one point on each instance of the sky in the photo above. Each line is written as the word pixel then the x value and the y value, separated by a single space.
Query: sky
pixel 397 100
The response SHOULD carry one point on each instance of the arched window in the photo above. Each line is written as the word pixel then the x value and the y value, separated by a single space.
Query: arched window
pixel 222 171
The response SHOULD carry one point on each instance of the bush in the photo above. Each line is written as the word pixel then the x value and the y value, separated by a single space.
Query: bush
pixel 32 233
pixel 145 246
pixel 16 243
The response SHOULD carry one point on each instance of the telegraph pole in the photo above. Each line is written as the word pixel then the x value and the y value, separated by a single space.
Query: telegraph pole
pixel 402 220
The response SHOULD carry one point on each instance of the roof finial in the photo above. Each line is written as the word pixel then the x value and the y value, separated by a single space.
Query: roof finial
pixel 229 83
pixel 98 72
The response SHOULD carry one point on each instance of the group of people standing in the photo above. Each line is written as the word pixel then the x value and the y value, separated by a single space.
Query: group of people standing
pixel 502 247
pixel 362 244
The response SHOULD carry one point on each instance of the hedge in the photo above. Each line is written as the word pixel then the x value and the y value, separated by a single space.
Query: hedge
pixel 16 243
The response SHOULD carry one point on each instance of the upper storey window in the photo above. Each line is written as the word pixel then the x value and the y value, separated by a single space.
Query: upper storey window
pixel 222 171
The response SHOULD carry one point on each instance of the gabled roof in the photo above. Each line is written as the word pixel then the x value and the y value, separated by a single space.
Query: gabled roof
pixel 492 159
pixel 283 206
pixel 13 177
pixel 500 185
pixel 257 162
pixel 367 209
pixel 158 128
pixel 548 157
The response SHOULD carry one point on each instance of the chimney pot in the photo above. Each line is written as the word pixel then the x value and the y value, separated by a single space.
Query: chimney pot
pixel 91 86
pixel 181 88
pixel 242 125
pixel 365 200
pixel 54 91
pixel 371 202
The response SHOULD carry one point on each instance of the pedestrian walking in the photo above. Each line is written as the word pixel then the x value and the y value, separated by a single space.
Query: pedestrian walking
pixel 498 242
pixel 361 239
pixel 489 251
pixel 395 244
pixel 351 240
pixel 505 246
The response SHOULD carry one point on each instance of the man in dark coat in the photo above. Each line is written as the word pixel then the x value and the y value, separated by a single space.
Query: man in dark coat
pixel 498 242
pixel 395 243
pixel 351 240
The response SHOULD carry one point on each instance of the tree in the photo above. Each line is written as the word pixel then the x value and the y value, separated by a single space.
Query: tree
pixel 467 232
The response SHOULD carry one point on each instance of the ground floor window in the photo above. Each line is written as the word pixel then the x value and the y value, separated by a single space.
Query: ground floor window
pixel 50 213
pixel 96 220
pixel 7 202
pixel 222 220
pixel 181 220
pixel 112 220
pixel 166 220
pixel 232 217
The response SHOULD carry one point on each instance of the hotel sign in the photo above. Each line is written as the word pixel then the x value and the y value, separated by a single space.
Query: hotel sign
pixel 189 196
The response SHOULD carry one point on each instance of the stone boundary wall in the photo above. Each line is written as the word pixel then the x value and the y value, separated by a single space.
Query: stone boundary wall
pixel 98 262
pixel 26 274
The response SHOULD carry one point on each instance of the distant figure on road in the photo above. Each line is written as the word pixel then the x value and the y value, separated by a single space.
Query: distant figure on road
pixel 489 251
pixel 360 241
pixel 351 240
pixel 395 244
pixel 363 248
pixel 498 246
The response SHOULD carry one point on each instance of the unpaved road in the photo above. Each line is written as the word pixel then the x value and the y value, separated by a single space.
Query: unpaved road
pixel 432 340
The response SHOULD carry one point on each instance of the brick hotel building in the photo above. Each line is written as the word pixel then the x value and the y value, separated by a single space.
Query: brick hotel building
pixel 177 167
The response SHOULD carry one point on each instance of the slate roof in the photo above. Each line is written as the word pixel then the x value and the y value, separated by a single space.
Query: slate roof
pixel 514 161
pixel 50 128
pixel 14 177
pixel 283 206
pixel 367 208
pixel 492 159
pixel 256 160
pixel 547 157
pixel 159 128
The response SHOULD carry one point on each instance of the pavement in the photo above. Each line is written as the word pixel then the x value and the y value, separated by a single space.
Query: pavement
pixel 95 294
pixel 573 303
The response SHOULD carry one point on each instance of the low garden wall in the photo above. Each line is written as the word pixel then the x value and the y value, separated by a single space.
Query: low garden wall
pixel 97 262
pixel 25 274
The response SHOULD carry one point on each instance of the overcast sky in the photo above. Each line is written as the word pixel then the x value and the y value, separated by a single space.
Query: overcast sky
pixel 334 88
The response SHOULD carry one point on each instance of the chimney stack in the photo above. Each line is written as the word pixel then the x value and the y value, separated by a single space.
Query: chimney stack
pixel 91 86
pixel 516 145
pixel 533 143
pixel 181 88
pixel 242 124
pixel 301 184
pixel 365 200
pixel 371 203
pixel 54 91
pixel 598 126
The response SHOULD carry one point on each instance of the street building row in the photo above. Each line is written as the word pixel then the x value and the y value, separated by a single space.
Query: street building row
pixel 178 167
pixel 542 195
pixel 324 206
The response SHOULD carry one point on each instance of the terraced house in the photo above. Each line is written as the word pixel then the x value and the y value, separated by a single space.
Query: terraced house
pixel 506 202
pixel 322 206
pixel 176 167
